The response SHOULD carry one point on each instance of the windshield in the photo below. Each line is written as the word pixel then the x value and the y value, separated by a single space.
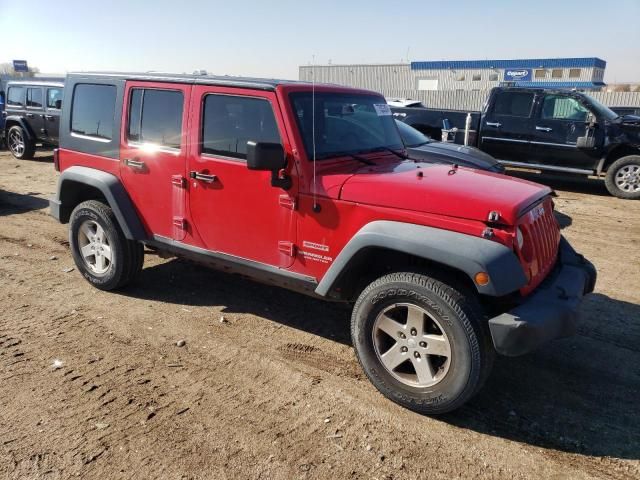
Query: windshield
pixel 410 136
pixel 344 124
pixel 600 109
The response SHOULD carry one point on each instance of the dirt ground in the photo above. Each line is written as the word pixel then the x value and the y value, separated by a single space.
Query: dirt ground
pixel 267 386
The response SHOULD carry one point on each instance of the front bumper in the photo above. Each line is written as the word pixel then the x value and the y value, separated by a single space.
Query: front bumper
pixel 551 311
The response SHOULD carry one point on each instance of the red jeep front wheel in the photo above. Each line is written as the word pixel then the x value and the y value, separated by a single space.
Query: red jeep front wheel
pixel 421 342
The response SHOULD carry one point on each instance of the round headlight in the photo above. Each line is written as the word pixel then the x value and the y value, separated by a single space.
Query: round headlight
pixel 519 238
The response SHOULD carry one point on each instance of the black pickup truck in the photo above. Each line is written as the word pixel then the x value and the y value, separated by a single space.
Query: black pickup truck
pixel 543 129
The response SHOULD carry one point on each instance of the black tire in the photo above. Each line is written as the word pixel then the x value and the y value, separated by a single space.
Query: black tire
pixel 126 258
pixel 28 149
pixel 632 192
pixel 461 319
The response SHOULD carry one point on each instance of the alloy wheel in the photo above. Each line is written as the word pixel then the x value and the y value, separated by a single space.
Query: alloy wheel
pixel 411 345
pixel 16 142
pixel 95 247
pixel 627 178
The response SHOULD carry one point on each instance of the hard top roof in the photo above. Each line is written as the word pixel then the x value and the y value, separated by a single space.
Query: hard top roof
pixel 244 82
pixel 37 83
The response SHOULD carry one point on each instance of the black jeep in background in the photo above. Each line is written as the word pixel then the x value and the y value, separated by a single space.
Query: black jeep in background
pixel 31 115
pixel 548 130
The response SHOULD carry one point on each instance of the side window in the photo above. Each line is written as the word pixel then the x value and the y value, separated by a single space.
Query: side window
pixel 513 104
pixel 34 97
pixel 559 107
pixel 155 116
pixel 93 109
pixel 230 122
pixel 54 98
pixel 15 96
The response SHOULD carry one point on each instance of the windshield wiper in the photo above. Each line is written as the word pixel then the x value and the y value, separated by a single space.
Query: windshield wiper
pixel 366 161
pixel 390 150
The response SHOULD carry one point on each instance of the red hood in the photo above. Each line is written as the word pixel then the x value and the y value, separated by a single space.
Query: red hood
pixel 467 193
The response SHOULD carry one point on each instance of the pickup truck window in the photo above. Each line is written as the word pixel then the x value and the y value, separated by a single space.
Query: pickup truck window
pixel 561 107
pixel 92 110
pixel 155 116
pixel 15 96
pixel 229 122
pixel 344 124
pixel 513 104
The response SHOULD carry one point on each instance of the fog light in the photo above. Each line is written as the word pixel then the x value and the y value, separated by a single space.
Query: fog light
pixel 482 278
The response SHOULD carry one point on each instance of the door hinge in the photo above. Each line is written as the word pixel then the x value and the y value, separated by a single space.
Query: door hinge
pixel 286 247
pixel 179 181
pixel 180 223
pixel 287 202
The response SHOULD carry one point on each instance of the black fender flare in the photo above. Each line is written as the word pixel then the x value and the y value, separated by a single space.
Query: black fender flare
pixel 111 189
pixel 20 121
pixel 459 251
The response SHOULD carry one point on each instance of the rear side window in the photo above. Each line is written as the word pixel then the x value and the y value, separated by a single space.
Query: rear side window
pixel 15 96
pixel 230 122
pixel 54 98
pixel 34 97
pixel 155 116
pixel 513 104
pixel 93 109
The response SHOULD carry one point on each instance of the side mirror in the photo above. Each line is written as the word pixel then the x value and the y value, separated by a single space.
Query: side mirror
pixel 591 120
pixel 58 104
pixel 265 156
pixel 269 157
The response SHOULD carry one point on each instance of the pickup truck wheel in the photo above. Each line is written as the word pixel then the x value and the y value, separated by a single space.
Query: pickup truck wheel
pixel 623 178
pixel 19 143
pixel 104 256
pixel 422 343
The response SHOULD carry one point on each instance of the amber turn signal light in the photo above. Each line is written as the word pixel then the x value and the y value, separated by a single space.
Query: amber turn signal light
pixel 482 278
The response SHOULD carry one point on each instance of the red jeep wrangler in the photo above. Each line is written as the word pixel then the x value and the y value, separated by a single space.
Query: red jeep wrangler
pixel 308 187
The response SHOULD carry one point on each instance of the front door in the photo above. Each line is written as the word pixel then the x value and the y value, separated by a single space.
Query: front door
pixel 153 154
pixel 235 210
pixel 35 112
pixel 52 114
pixel 559 121
pixel 506 127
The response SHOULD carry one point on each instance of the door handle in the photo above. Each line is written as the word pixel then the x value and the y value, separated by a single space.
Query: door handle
pixel 543 129
pixel 494 124
pixel 48 117
pixel 134 163
pixel 30 115
pixel 203 177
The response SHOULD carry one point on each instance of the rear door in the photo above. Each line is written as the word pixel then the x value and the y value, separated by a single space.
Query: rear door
pixel 560 119
pixel 52 114
pixel 506 128
pixel 35 112
pixel 153 154
pixel 235 210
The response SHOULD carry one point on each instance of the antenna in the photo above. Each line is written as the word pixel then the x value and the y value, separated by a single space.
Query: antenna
pixel 316 206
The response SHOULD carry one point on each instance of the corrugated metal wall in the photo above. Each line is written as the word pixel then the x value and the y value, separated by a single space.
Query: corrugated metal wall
pixel 473 100
pixel 383 78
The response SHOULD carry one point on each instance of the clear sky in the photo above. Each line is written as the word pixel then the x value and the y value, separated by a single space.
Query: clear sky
pixel 272 38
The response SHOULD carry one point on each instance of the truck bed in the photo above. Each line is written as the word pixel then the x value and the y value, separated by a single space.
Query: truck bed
pixel 430 121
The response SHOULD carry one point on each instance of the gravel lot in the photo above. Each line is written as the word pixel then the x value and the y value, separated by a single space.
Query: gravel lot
pixel 93 385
